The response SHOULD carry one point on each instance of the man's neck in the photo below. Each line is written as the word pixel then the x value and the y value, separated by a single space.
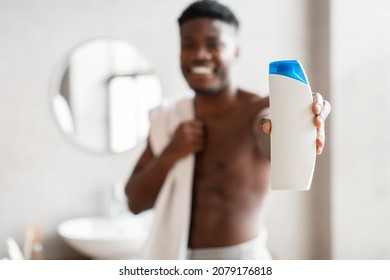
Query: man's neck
pixel 214 105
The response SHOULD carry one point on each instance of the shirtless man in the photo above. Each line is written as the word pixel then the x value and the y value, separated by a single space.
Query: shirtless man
pixel 229 137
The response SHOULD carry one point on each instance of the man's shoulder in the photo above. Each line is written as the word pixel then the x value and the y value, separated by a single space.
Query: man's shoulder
pixel 253 98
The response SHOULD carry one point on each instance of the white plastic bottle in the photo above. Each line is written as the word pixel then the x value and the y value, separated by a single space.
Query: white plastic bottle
pixel 293 135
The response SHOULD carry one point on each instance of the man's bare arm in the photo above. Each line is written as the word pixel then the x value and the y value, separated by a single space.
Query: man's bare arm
pixel 150 172
pixel 147 178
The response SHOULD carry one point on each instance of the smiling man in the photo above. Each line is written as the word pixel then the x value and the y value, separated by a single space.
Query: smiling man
pixel 232 155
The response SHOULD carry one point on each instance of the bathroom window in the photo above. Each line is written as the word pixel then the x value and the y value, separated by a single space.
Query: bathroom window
pixel 128 108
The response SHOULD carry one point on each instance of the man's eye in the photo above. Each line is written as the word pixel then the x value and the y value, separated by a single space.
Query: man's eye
pixel 214 46
pixel 187 46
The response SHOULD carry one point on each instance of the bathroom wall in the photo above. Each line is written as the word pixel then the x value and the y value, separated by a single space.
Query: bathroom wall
pixel 360 48
pixel 45 180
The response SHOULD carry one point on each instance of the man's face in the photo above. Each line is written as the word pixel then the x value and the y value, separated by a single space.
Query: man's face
pixel 208 52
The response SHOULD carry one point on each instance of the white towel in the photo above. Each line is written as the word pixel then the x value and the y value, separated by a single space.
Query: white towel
pixel 168 238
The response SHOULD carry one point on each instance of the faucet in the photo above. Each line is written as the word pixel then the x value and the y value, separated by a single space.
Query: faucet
pixel 117 200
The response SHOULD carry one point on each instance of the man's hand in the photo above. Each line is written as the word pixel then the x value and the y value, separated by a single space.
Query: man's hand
pixel 321 109
pixel 189 138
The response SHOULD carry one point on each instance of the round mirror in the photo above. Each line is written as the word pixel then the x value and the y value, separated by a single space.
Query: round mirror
pixel 102 95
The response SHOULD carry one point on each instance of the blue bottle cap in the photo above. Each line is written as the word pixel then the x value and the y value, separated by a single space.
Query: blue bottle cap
pixel 289 68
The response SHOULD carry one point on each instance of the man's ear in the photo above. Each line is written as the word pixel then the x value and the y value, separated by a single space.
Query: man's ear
pixel 237 52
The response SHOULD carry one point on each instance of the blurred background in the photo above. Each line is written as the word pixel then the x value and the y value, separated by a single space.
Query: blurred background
pixel 51 172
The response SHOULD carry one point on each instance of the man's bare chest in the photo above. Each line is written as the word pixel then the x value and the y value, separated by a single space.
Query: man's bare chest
pixel 231 132
pixel 227 140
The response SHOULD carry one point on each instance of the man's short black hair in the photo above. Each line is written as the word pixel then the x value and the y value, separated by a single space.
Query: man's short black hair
pixel 210 9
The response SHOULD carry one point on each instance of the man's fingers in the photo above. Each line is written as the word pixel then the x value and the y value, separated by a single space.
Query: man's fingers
pixel 318 103
pixel 196 127
pixel 266 125
pixel 320 141
pixel 198 145
pixel 319 119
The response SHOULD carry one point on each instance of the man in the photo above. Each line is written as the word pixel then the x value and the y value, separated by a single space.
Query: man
pixel 232 151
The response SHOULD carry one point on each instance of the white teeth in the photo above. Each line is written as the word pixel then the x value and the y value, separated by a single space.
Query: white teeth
pixel 201 70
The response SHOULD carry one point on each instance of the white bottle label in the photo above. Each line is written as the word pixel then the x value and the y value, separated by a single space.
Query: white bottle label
pixel 293 135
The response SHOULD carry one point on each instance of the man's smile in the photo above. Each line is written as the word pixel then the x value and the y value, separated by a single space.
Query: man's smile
pixel 205 70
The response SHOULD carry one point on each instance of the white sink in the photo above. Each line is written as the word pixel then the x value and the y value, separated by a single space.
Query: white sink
pixel 104 238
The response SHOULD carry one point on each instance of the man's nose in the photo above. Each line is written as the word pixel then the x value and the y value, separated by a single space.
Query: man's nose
pixel 202 53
